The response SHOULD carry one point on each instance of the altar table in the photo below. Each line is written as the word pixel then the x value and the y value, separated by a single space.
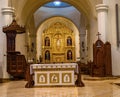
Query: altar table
pixel 58 74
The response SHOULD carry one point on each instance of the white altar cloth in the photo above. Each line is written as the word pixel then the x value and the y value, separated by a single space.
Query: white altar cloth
pixel 58 74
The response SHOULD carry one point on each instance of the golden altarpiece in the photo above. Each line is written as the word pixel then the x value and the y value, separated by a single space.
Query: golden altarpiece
pixel 58 44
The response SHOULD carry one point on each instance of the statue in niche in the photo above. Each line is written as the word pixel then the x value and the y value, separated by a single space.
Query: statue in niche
pixel 58 41
pixel 69 55
pixel 69 41
pixel 47 41
pixel 47 55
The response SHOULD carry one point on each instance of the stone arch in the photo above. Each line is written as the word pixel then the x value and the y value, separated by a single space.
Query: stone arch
pixel 29 7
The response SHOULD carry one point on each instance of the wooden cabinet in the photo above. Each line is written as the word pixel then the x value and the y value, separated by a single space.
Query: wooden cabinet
pixel 16 64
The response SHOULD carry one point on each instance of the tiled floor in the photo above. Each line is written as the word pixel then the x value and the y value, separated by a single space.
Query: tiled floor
pixel 104 88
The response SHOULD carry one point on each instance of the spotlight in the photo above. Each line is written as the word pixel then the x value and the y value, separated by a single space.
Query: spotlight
pixel 57 3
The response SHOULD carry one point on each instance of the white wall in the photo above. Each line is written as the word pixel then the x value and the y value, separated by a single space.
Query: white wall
pixel 3 67
pixel 111 36
pixel 1 42
pixel 21 43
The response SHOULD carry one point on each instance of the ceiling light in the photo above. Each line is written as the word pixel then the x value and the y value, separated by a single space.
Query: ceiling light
pixel 57 3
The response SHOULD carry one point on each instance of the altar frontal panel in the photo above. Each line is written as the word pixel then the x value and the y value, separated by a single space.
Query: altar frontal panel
pixel 54 76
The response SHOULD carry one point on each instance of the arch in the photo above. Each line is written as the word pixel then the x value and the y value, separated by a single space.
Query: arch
pixel 30 6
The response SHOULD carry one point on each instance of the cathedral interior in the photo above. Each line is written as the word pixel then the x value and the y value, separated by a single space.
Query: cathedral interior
pixel 59 48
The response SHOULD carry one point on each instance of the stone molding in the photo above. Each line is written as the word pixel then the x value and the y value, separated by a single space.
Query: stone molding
pixel 8 11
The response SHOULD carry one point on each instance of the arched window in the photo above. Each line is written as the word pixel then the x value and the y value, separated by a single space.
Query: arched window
pixel 69 55
pixel 47 55
pixel 47 41
pixel 69 41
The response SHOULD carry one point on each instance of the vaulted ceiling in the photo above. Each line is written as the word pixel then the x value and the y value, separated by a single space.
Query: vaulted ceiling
pixel 26 8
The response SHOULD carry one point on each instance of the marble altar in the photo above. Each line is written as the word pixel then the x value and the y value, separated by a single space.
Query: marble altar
pixel 58 74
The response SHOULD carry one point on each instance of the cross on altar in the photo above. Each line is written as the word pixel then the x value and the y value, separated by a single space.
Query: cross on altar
pixel 98 35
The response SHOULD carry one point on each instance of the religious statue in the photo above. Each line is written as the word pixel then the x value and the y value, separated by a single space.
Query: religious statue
pixel 58 41
pixel 47 41
pixel 69 55
pixel 69 41
pixel 47 55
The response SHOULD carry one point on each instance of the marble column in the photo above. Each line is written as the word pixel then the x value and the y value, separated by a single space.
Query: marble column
pixel 7 16
pixel 102 10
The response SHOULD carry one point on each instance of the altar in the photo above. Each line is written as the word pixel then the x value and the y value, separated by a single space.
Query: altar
pixel 58 74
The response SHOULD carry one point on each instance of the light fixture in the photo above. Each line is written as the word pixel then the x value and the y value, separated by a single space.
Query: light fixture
pixel 57 3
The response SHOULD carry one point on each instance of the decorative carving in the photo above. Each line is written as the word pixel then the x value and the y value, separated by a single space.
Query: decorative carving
pixel 14 27
pixel 11 32
pixel 58 39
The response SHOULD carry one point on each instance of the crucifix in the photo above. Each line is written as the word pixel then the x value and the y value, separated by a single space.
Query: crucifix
pixel 98 35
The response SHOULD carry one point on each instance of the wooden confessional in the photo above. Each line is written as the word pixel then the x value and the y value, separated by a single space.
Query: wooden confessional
pixel 16 62
pixel 101 65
